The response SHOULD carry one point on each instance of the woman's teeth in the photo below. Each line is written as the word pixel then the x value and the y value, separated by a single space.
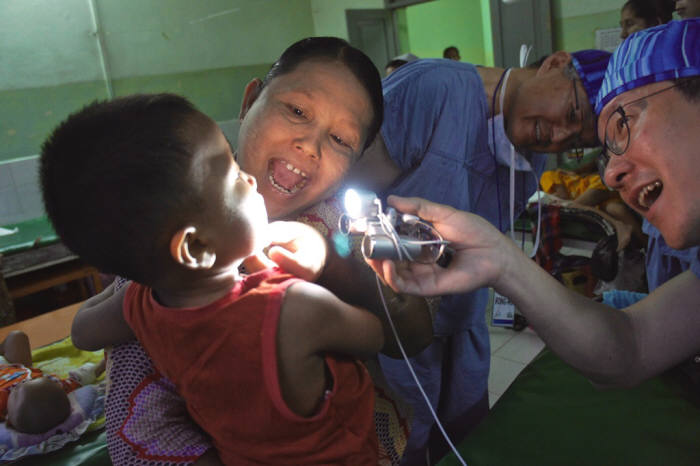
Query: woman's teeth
pixel 288 183
pixel 649 194
pixel 294 169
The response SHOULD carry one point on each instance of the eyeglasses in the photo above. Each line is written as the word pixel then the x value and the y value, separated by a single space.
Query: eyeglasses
pixel 617 133
pixel 577 115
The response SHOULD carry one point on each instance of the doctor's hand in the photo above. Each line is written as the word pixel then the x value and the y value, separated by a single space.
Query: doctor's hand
pixel 479 258
pixel 296 247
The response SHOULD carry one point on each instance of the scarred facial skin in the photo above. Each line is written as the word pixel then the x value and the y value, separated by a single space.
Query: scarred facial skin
pixel 301 132
pixel 658 173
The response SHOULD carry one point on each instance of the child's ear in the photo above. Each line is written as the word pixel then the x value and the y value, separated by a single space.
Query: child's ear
pixel 250 95
pixel 189 250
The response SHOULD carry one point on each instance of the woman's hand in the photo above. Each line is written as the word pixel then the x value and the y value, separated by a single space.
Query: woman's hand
pixel 480 253
pixel 297 248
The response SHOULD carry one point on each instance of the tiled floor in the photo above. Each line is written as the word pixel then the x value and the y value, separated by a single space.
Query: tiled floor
pixel 511 351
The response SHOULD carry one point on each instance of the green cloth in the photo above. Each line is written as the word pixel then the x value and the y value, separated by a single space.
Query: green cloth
pixel 552 415
pixel 89 450
pixel 34 232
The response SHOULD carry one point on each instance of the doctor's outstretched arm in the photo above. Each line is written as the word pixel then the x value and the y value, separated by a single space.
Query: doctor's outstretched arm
pixel 611 347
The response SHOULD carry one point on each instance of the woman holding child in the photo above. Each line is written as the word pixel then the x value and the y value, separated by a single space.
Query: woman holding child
pixel 301 129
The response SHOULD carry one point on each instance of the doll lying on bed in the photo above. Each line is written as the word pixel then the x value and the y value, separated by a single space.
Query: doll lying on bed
pixel 31 401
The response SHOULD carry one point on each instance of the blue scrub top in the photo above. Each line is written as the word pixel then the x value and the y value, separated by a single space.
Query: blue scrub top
pixel 663 262
pixel 435 129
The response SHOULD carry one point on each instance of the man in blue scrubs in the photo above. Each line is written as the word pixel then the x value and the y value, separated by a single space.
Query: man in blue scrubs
pixel 437 142
pixel 649 108
pixel 663 262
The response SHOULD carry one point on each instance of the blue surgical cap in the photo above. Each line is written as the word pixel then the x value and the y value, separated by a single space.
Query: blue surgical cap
pixel 666 52
pixel 590 66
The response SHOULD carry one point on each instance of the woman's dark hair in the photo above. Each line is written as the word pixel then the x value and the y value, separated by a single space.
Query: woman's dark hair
pixel 652 11
pixel 334 48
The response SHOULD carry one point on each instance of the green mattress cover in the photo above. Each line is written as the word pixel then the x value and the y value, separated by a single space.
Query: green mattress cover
pixel 552 415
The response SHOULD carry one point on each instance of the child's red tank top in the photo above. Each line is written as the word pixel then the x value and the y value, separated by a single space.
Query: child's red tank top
pixel 223 361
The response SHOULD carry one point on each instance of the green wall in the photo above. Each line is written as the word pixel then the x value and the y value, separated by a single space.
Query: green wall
pixel 432 26
pixel 329 15
pixel 28 115
pixel 574 22
pixel 206 50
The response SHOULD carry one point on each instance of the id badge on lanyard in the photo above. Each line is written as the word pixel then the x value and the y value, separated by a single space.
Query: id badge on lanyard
pixel 503 312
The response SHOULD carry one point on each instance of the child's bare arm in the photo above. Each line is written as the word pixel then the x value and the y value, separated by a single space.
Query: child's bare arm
pixel 355 283
pixel 313 320
pixel 312 323
pixel 100 321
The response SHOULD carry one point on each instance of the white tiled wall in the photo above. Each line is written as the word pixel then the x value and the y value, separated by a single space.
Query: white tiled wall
pixel 20 195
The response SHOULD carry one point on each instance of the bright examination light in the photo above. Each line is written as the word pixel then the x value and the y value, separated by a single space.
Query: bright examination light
pixel 353 203
pixel 359 204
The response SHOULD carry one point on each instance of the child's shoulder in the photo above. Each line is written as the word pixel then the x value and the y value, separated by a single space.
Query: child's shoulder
pixel 270 278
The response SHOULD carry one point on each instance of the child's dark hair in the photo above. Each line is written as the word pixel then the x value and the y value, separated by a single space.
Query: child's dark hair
pixel 334 48
pixel 113 181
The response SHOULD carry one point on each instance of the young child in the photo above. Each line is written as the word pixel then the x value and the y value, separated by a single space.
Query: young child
pixel 147 187
pixel 30 401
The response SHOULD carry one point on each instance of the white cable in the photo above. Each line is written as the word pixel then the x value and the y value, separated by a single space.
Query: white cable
pixel 415 378
pixel 390 231
pixel 511 184
pixel 539 218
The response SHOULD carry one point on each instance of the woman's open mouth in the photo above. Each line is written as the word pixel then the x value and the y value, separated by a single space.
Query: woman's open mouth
pixel 285 177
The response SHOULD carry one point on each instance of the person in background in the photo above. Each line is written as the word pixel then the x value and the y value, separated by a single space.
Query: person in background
pixel 688 8
pixel 393 65
pixel 636 15
pixel 649 108
pixel 457 150
pixel 584 187
pixel 451 53
pixel 398 61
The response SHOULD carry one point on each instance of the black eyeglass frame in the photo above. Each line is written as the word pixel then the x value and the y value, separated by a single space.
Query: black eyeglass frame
pixel 577 149
pixel 604 157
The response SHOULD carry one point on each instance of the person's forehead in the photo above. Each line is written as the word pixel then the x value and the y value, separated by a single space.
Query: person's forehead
pixel 330 81
pixel 308 73
pixel 630 95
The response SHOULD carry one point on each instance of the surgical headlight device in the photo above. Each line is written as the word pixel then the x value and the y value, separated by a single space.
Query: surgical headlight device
pixel 389 234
